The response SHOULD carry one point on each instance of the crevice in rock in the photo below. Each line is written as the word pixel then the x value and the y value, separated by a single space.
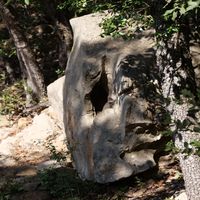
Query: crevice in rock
pixel 99 93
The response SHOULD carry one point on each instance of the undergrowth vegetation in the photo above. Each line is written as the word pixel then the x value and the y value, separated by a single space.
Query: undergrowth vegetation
pixel 9 188
pixel 12 99
pixel 63 184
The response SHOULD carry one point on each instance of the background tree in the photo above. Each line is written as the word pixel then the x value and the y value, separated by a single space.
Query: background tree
pixel 34 87
pixel 45 34
pixel 60 20
pixel 179 88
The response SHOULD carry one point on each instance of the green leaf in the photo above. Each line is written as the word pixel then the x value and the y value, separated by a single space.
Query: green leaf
pixel 27 2
pixel 192 5
pixel 169 146
pixel 169 12
pixel 174 15
pixel 167 133
pixel 183 124
pixel 196 129
pixel 182 10
pixel 195 143
pixel 166 119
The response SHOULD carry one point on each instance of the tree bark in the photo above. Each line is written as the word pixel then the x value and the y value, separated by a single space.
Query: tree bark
pixel 173 75
pixel 177 74
pixel 35 88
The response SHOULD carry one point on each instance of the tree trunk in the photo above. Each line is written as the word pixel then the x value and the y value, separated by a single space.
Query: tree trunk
pixel 35 88
pixel 177 75
pixel 63 29
pixel 66 40
pixel 173 76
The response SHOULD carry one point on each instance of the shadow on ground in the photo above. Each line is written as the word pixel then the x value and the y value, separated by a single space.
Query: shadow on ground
pixel 62 183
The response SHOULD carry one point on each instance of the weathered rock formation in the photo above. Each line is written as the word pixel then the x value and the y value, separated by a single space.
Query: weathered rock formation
pixel 111 95
pixel 28 142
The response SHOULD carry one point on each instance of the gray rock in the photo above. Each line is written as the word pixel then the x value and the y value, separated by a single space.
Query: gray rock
pixel 55 97
pixel 110 99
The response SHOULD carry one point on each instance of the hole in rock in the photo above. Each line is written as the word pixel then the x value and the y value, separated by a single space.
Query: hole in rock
pixel 99 93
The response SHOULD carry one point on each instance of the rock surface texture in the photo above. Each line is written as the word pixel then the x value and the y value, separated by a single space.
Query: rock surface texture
pixel 110 102
pixel 55 97
pixel 28 142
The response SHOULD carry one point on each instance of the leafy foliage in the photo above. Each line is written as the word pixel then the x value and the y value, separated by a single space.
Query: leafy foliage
pixel 196 145
pixel 60 72
pixel 60 157
pixel 12 99
pixel 170 147
pixel 8 189
pixel 75 6
pixel 6 50
pixel 167 133
pixel 64 184
pixel 181 8
pixel 124 16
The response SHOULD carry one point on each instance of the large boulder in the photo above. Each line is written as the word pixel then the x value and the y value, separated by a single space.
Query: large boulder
pixel 110 100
